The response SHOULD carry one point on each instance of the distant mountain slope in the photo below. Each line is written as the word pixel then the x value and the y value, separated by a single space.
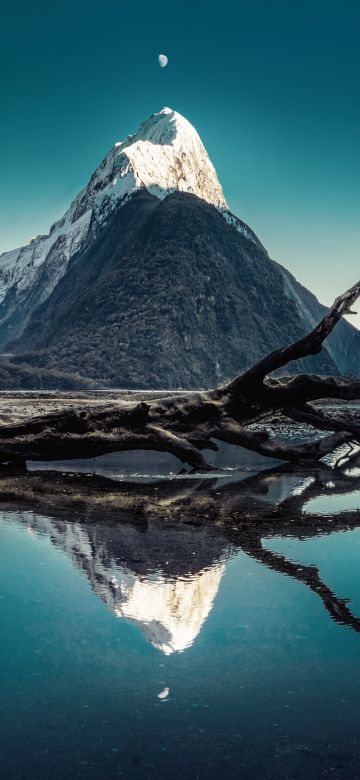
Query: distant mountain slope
pixel 168 295
pixel 343 344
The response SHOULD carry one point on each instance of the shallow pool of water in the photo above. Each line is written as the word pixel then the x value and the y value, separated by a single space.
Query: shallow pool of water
pixel 176 653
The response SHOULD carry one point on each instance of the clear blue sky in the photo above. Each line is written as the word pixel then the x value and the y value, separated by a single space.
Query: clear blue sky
pixel 272 86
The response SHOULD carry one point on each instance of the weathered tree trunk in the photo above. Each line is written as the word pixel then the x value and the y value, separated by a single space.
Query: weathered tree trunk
pixel 187 424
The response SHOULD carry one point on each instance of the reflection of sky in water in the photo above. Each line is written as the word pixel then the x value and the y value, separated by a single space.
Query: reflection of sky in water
pixel 336 555
pixel 268 687
pixel 333 504
pixel 142 464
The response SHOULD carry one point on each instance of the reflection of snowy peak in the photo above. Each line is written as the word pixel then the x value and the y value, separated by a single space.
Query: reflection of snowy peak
pixel 170 613
pixel 169 610
pixel 166 154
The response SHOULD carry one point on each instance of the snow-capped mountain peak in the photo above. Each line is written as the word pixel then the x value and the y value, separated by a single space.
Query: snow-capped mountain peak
pixel 166 154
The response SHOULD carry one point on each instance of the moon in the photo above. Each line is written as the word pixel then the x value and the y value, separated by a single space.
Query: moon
pixel 163 60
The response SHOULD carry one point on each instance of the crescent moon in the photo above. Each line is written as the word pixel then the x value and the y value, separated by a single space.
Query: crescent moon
pixel 163 60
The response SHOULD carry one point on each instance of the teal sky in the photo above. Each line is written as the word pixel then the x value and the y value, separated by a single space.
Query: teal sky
pixel 272 86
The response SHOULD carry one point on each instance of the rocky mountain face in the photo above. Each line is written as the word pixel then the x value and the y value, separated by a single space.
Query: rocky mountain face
pixel 149 281
pixel 168 295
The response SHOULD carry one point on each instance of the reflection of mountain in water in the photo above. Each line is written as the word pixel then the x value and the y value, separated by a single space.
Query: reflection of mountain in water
pixel 163 582
pixel 162 569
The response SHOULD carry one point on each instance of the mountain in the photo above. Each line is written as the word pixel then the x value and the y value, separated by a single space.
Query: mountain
pixel 166 154
pixel 150 281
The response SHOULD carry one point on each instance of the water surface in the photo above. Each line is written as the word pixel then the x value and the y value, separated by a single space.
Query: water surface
pixel 144 651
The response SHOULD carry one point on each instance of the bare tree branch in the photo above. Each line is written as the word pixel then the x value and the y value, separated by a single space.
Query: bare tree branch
pixel 233 433
pixel 321 422
pixel 309 387
pixel 311 344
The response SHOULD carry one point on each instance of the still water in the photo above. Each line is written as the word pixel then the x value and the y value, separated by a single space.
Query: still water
pixel 144 652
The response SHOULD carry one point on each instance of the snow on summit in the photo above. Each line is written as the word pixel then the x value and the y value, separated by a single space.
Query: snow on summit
pixel 166 154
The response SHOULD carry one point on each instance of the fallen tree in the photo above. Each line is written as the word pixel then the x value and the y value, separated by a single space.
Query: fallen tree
pixel 187 424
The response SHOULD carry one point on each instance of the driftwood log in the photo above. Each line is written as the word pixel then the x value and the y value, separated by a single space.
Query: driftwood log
pixel 187 424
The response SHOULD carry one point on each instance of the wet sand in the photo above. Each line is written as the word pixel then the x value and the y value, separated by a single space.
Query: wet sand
pixel 18 405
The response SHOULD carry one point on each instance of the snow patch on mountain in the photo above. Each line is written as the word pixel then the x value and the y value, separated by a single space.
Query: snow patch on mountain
pixel 240 226
pixel 165 155
pixel 20 266
pixel 310 318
